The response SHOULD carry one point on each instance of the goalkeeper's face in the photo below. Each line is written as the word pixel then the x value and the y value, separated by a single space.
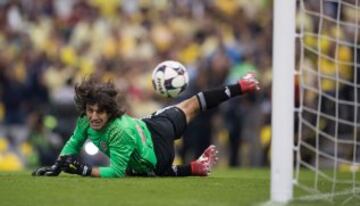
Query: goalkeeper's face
pixel 97 117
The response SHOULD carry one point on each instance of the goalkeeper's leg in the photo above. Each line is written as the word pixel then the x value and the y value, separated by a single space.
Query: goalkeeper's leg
pixel 212 98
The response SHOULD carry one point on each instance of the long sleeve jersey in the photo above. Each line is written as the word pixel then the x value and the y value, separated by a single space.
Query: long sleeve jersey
pixel 125 140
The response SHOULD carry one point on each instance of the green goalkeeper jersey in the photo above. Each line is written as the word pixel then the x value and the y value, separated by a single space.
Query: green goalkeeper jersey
pixel 125 140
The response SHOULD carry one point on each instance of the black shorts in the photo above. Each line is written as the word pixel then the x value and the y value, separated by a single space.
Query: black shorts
pixel 165 125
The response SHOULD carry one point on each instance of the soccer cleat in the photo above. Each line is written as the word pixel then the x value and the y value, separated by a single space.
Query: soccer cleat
pixel 203 165
pixel 249 83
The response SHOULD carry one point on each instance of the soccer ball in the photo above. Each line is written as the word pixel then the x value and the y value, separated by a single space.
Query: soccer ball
pixel 170 78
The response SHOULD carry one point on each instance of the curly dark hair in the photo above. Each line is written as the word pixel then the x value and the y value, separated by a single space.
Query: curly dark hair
pixel 91 91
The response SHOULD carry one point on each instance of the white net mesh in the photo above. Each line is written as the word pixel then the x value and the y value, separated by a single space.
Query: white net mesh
pixel 328 110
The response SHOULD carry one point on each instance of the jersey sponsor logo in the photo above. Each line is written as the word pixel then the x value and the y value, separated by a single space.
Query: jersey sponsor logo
pixel 141 133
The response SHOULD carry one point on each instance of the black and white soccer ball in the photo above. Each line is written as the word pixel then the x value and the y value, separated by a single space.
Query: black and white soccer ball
pixel 170 78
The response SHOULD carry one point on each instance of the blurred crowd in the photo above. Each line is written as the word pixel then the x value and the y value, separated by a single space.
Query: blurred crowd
pixel 46 46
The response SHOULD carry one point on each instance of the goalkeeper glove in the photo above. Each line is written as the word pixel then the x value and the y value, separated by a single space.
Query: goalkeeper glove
pixel 53 170
pixel 249 83
pixel 73 166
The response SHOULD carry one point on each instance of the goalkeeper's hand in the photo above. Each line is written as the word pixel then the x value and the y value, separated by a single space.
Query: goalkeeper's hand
pixel 249 83
pixel 73 166
pixel 53 170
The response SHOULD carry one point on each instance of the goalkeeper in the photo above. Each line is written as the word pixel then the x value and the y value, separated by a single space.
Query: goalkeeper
pixel 137 147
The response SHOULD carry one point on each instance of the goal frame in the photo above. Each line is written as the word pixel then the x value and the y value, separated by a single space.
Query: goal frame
pixel 283 86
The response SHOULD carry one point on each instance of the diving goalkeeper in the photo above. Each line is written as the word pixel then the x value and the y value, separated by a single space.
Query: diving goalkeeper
pixel 137 147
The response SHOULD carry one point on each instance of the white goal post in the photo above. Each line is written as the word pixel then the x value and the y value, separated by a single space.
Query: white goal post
pixel 283 100
pixel 325 64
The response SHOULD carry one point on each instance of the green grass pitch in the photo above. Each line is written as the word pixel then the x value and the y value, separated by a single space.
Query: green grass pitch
pixel 223 187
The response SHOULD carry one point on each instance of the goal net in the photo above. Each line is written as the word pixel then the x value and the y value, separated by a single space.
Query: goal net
pixel 327 118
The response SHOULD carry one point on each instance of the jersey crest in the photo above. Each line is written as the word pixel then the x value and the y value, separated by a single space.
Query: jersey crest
pixel 103 146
